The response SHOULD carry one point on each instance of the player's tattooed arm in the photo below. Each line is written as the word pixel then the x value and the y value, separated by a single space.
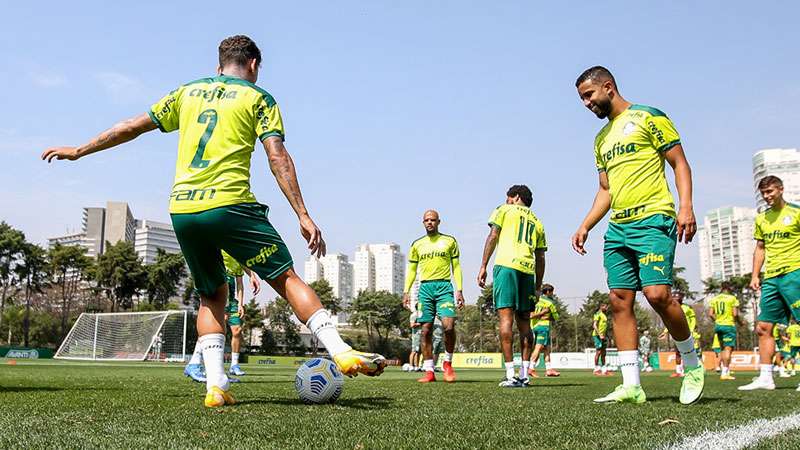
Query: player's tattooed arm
pixel 122 132
pixel 600 206
pixel 687 224
pixel 282 167
pixel 488 250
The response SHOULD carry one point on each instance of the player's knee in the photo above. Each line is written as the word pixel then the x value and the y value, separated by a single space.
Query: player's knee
pixel 764 329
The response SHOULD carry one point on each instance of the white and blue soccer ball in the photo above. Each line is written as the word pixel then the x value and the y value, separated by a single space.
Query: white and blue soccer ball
pixel 318 381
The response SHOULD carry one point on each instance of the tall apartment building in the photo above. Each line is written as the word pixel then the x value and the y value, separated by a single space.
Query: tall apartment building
pixel 379 267
pixel 120 224
pixel 783 163
pixel 336 269
pixel 726 243
pixel 94 225
pixel 150 236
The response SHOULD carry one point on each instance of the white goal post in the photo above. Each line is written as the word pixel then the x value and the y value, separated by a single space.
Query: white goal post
pixel 128 336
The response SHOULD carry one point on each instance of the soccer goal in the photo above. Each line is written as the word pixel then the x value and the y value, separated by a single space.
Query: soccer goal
pixel 134 336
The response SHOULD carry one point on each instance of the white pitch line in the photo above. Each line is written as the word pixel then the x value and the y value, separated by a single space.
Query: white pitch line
pixel 740 437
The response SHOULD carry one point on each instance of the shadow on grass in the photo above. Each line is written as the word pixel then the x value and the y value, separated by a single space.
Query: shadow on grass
pixel 366 403
pixel 702 401
pixel 549 385
pixel 16 389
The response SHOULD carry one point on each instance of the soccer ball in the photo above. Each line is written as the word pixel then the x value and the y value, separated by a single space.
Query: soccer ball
pixel 318 381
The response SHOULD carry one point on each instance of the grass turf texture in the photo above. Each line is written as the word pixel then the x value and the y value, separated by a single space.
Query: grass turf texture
pixel 133 405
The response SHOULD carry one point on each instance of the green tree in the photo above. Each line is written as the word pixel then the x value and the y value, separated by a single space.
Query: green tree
pixel 269 345
pixel 164 276
pixel 32 270
pixel 680 284
pixel 325 293
pixel 190 294
pixel 68 266
pixel 12 242
pixel 120 272
pixel 253 318
pixel 279 314
pixel 381 314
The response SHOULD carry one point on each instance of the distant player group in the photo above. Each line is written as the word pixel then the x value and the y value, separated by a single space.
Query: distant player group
pixel 213 211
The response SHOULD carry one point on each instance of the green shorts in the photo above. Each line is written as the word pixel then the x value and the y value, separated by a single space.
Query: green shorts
pixel 717 350
pixel 599 343
pixel 415 339
pixel 232 308
pixel 786 354
pixel 726 335
pixel 640 253
pixel 780 298
pixel 435 298
pixel 241 230
pixel 794 351
pixel 513 289
pixel 438 339
pixel 541 336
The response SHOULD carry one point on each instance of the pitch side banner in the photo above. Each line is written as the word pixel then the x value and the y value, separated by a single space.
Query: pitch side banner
pixel 477 360
pixel 276 361
pixel 571 360
pixel 739 360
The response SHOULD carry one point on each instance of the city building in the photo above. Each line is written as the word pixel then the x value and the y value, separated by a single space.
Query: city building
pixel 337 270
pixel 363 270
pixel 379 267
pixel 120 224
pixel 783 163
pixel 726 243
pixel 150 236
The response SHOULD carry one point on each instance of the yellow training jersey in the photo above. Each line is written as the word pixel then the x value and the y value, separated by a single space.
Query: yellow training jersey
pixel 723 306
pixel 630 150
pixel 218 120
pixel 780 231
pixel 231 265
pixel 521 233
pixel 602 323
pixel 544 304
pixel 793 333
pixel 434 255
pixel 691 317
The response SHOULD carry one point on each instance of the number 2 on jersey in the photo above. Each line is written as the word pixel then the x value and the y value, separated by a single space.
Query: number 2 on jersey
pixel 209 117
pixel 525 231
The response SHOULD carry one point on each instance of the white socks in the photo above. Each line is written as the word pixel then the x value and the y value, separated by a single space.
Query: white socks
pixel 523 370
pixel 766 372
pixel 448 357
pixel 547 365
pixel 688 353
pixel 629 366
pixel 509 370
pixel 679 369
pixel 322 327
pixel 427 365
pixel 234 358
pixel 197 356
pixel 725 371
pixel 213 348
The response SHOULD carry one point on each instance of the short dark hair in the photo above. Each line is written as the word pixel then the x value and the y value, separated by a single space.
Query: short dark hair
pixel 596 73
pixel 726 286
pixel 238 50
pixel 547 287
pixel 524 193
pixel 770 180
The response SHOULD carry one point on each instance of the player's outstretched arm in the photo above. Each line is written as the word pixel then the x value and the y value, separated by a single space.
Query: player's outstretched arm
pixel 687 224
pixel 120 133
pixel 282 167
pixel 488 250
pixel 600 206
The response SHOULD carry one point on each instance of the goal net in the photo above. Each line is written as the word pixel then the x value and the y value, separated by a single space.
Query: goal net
pixel 136 336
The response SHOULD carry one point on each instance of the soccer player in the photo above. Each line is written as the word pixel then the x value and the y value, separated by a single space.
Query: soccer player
pixel 793 335
pixel 630 154
pixel 544 311
pixel 413 357
pixel 783 350
pixel 724 310
pixel 599 328
pixel 212 208
pixel 437 257
pixel 234 313
pixel 518 236
pixel 691 319
pixel 645 351
pixel 777 234
pixel 715 346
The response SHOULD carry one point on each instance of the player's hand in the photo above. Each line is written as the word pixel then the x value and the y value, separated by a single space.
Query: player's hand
pixel 313 235
pixel 755 282
pixel 255 282
pixel 482 277
pixel 579 239
pixel 459 299
pixel 241 312
pixel 70 153
pixel 406 301
pixel 687 225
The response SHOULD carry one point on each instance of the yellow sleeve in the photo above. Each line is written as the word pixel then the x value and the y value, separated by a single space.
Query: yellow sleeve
pixel 757 233
pixel 411 275
pixel 165 113
pixel 736 302
pixel 497 217
pixel 541 240
pixel 598 160
pixel 663 134
pixel 553 311
pixel 457 276
pixel 268 118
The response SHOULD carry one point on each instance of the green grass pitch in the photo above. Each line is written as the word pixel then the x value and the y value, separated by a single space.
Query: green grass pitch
pixel 54 404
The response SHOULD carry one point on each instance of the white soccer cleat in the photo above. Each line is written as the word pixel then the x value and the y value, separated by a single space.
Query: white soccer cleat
pixel 758 383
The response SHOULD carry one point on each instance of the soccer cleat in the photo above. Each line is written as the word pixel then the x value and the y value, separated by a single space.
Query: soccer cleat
pixel 726 377
pixel 353 362
pixel 552 373
pixel 216 398
pixel 785 375
pixel 798 388
pixel 532 373
pixel 759 383
pixel 429 377
pixel 449 373
pixel 512 383
pixel 717 369
pixel 694 381
pixel 195 372
pixel 624 394
pixel 236 370
pixel 597 372
pixel 523 382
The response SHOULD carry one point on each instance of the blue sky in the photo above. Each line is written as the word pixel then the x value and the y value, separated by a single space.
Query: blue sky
pixel 393 108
